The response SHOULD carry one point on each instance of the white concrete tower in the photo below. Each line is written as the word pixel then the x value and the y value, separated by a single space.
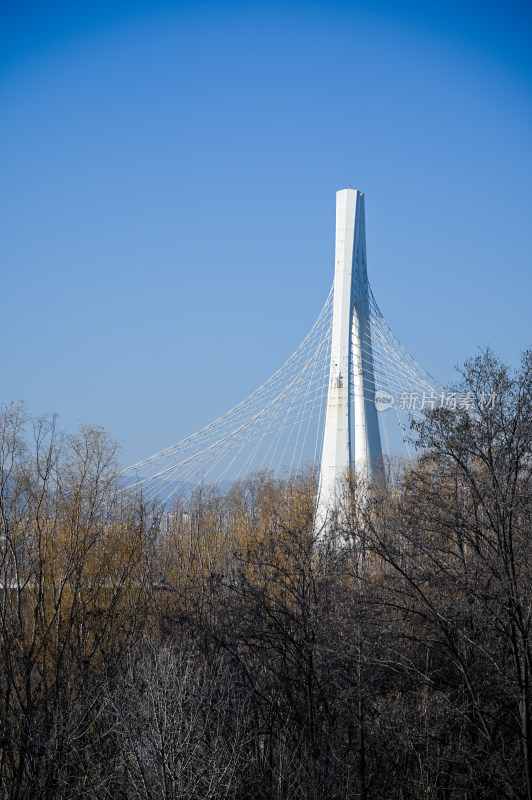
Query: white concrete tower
pixel 351 362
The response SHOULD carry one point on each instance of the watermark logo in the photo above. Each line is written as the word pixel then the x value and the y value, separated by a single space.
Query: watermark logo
pixel 418 401
pixel 383 400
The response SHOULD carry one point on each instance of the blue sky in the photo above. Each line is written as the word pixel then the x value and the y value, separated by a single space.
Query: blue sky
pixel 169 172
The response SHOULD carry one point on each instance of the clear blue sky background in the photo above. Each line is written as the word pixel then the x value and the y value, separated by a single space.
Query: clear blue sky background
pixel 168 180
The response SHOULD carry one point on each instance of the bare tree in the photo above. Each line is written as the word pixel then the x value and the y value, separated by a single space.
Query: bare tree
pixel 450 560
pixel 71 573
pixel 180 725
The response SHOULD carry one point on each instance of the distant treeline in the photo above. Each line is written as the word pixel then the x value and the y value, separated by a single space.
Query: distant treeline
pixel 231 651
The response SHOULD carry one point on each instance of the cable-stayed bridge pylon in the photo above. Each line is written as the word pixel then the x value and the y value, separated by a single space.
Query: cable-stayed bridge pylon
pixel 327 404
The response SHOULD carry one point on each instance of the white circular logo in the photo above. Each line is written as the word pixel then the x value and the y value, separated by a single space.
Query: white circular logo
pixel 383 400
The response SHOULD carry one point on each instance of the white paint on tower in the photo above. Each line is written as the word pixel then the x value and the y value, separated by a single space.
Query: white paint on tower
pixel 351 363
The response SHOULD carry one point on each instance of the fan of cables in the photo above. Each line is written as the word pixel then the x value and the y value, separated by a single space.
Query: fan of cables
pixel 279 427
